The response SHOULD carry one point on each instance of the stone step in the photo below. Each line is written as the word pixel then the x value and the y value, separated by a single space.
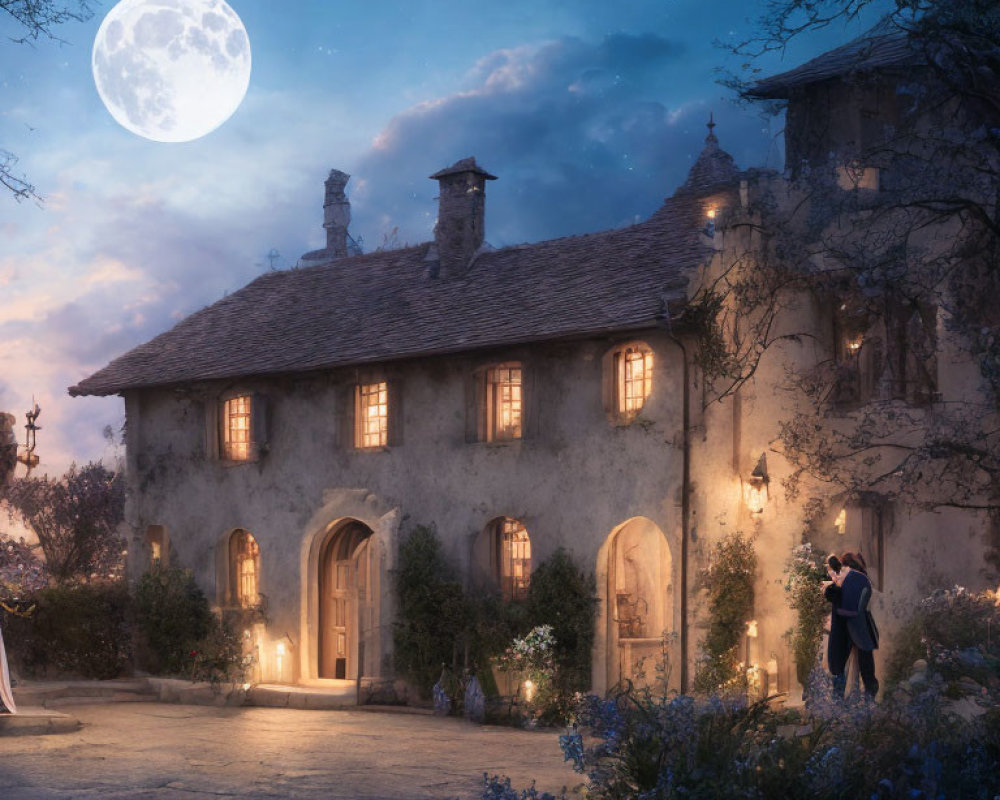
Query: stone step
pixel 35 721
pixel 50 693
pixel 277 696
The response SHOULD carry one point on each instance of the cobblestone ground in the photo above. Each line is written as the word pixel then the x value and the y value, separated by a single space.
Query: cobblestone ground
pixel 168 752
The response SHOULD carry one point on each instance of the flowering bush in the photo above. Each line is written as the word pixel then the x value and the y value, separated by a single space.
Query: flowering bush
pixel 532 659
pixel 804 571
pixel 639 746
pixel 955 632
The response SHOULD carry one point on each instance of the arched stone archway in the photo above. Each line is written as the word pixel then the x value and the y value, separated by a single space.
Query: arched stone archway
pixel 635 583
pixel 337 533
pixel 346 603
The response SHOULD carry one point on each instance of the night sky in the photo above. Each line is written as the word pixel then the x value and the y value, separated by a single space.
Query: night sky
pixel 590 113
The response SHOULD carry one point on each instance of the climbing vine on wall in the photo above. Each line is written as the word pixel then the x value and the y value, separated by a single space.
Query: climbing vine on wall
pixel 729 581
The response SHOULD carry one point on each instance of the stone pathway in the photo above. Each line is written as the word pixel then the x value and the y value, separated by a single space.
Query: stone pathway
pixel 170 752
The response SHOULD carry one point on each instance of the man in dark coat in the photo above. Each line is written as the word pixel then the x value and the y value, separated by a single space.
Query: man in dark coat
pixel 851 623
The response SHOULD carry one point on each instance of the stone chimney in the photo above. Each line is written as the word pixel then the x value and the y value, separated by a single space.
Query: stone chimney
pixel 336 219
pixel 461 215
pixel 336 213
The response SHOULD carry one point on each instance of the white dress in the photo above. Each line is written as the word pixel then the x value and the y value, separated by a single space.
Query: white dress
pixel 6 695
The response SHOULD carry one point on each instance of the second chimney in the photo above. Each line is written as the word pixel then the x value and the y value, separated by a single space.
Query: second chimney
pixel 461 215
pixel 336 214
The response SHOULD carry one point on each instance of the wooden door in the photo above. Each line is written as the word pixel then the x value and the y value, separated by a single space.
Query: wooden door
pixel 344 595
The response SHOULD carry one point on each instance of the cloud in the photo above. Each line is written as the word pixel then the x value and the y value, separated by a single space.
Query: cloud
pixel 583 135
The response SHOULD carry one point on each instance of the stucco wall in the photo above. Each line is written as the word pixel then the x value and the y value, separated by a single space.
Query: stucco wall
pixel 571 481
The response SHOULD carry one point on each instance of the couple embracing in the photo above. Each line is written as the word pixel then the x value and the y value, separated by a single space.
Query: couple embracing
pixel 852 628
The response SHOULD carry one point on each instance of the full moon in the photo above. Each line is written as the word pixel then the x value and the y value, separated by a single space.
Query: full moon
pixel 171 70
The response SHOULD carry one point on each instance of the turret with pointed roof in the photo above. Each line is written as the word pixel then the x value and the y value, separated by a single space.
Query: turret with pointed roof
pixel 714 167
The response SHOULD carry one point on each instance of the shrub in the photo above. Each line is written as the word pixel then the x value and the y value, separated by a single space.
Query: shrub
pixel 432 611
pixel 77 629
pixel 564 597
pixel 955 631
pixel 220 657
pixel 172 617
pixel 729 581
pixel 804 572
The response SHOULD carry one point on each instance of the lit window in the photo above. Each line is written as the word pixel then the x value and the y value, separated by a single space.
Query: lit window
pixel 513 558
pixel 244 567
pixel 372 415
pixel 634 378
pixel 502 412
pixel 236 428
pixel 156 538
pixel 855 176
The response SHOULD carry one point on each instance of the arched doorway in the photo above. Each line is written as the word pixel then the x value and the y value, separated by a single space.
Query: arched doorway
pixel 640 605
pixel 346 601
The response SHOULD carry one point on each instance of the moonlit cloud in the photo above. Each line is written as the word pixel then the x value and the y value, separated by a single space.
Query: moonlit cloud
pixel 583 135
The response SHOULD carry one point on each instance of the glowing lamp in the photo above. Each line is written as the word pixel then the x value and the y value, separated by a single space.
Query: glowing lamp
pixel 755 489
pixel 529 690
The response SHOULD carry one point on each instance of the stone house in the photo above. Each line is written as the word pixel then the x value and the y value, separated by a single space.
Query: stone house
pixel 281 441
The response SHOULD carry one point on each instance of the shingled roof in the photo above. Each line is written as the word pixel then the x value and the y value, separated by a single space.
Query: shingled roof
pixel 385 306
pixel 886 45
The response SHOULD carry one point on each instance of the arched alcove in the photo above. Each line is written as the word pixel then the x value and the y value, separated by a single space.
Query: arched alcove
pixel 635 582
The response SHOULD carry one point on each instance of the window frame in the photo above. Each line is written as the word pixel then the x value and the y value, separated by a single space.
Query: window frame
pixel 362 391
pixel 243 549
pixel 619 381
pixel 493 406
pixel 503 530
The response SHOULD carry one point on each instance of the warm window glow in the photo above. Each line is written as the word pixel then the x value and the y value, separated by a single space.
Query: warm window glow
pixel 236 428
pixel 503 403
pixel 514 559
pixel 155 551
pixel 855 176
pixel 245 567
pixel 840 523
pixel 372 428
pixel 634 368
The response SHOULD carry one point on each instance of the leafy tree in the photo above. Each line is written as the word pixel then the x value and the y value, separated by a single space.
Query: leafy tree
pixel 902 274
pixel 76 519
pixel 35 19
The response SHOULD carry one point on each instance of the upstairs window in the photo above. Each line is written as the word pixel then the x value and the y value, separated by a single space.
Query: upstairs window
pixel 371 415
pixel 511 558
pixel 888 354
pixel 501 410
pixel 244 568
pixel 236 438
pixel 628 380
pixel 237 427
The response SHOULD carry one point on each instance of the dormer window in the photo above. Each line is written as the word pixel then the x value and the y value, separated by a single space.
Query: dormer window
pixel 501 407
pixel 371 415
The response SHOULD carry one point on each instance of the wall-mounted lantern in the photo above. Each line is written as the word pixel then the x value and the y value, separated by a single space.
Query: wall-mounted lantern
pixel 755 489
pixel 709 229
